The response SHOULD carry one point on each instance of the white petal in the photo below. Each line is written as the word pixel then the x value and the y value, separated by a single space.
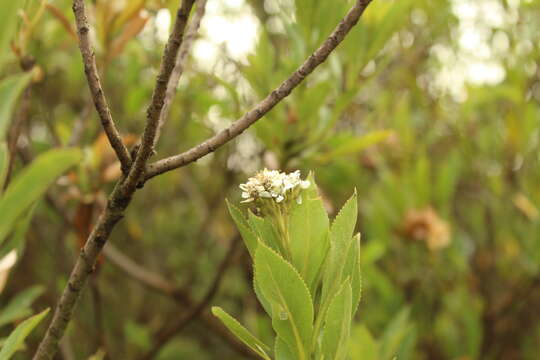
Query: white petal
pixel 265 194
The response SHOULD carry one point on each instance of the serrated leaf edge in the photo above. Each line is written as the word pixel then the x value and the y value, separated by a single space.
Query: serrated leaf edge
pixel 256 270
pixel 340 212
pixel 358 236
pixel 264 355
pixel 340 289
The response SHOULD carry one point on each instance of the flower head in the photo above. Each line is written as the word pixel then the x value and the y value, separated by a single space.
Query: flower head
pixel 273 185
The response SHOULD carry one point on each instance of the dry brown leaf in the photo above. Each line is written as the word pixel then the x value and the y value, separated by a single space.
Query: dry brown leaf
pixel 130 30
pixel 426 225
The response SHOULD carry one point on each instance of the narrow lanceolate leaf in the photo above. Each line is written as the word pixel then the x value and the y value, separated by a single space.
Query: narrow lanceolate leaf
pixel 362 345
pixel 16 338
pixel 4 159
pixel 341 242
pixel 308 235
pixel 10 89
pixel 391 18
pixel 19 306
pixel 394 334
pixel 292 307
pixel 242 333
pixel 338 324
pixel 355 145
pixel 282 351
pixel 31 183
pixel 249 237
pixel 9 10
pixel 17 240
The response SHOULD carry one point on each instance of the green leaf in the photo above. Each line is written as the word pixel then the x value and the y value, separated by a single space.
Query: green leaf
pixel 31 183
pixel 292 307
pixel 99 355
pixel 4 160
pixel 282 350
pixel 351 269
pixel 264 302
pixel 137 335
pixel 308 235
pixel 338 324
pixel 362 344
pixel 10 89
pixel 249 237
pixel 19 306
pixel 341 243
pixel 241 332
pixel 342 102
pixel 393 17
pixel 16 338
pixel 17 241
pixel 266 231
pixel 355 145
pixel 8 9
pixel 394 334
pixel 343 226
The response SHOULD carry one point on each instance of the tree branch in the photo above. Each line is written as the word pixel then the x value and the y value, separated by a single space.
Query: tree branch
pixel 156 282
pixel 84 266
pixel 170 331
pixel 142 275
pixel 240 125
pixel 185 48
pixel 153 113
pixel 125 187
pixel 94 83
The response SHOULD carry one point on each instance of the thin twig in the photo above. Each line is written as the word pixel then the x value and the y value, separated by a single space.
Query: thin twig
pixel 240 125
pixel 156 282
pixel 142 275
pixel 185 48
pixel 170 331
pixel 153 113
pixel 94 83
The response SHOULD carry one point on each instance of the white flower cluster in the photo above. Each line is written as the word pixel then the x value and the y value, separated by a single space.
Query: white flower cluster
pixel 271 184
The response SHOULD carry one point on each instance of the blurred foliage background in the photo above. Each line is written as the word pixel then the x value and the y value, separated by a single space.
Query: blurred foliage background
pixel 430 109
